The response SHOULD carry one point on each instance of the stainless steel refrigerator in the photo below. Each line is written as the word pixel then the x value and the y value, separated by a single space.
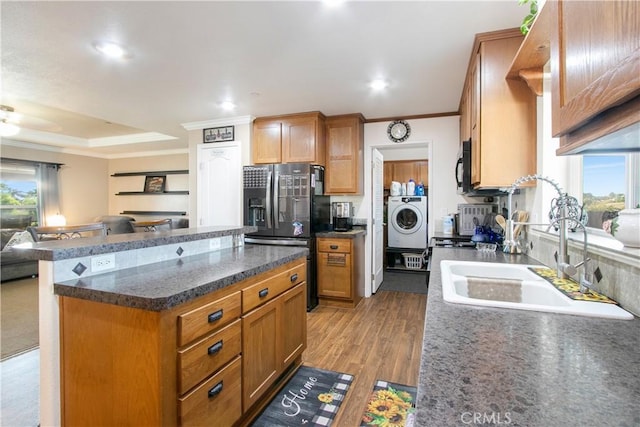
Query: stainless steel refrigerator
pixel 286 203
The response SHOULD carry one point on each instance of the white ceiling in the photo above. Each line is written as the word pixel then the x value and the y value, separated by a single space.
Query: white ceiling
pixel 267 57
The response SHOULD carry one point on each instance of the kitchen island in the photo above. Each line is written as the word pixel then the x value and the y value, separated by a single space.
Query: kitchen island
pixel 489 366
pixel 123 346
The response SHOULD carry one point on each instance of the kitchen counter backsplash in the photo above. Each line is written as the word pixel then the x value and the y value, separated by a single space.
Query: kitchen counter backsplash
pixel 74 258
pixel 618 279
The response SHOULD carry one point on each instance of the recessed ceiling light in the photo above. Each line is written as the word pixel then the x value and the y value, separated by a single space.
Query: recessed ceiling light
pixel 227 105
pixel 110 49
pixel 379 84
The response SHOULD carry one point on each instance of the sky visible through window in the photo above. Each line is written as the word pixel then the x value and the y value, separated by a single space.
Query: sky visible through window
pixel 22 186
pixel 603 175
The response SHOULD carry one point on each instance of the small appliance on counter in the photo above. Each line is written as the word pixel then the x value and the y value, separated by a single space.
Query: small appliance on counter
pixel 342 216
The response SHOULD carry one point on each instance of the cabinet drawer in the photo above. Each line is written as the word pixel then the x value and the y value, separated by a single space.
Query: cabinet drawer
pixel 215 402
pixel 208 318
pixel 270 288
pixel 334 245
pixel 200 360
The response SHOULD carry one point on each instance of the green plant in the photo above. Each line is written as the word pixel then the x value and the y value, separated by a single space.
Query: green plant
pixel 614 226
pixel 528 20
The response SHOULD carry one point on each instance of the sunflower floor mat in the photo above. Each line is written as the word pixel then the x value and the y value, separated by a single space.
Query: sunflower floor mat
pixel 570 287
pixel 390 404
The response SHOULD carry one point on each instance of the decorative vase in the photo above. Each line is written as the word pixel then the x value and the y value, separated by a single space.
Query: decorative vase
pixel 628 230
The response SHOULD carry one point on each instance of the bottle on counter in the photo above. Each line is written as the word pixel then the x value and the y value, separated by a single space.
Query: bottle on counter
pixel 411 188
pixel 420 189
pixel 403 189
pixel 447 224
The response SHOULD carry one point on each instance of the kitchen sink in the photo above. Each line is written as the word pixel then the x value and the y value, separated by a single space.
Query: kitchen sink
pixel 514 286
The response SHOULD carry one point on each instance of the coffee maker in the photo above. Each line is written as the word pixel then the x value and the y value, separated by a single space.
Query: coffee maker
pixel 342 216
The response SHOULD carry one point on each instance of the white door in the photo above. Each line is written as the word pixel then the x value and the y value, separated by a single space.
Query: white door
pixel 219 185
pixel 377 198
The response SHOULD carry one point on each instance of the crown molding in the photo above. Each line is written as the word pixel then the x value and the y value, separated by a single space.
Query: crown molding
pixel 240 120
pixel 87 153
pixel 134 138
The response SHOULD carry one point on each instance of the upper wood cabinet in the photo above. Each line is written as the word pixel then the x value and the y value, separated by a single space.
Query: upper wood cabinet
pixel 595 70
pixel 594 53
pixel 292 138
pixel 498 114
pixel 344 154
pixel 404 170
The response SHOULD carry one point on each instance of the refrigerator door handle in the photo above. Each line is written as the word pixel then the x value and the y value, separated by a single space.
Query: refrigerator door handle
pixel 276 201
pixel 268 204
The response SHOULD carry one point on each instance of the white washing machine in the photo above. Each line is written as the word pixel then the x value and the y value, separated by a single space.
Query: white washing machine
pixel 407 222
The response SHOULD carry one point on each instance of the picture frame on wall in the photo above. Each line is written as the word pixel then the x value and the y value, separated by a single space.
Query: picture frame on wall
pixel 155 184
pixel 219 134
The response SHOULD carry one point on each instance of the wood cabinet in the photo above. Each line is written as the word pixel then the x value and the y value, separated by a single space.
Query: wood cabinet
pixel 190 365
pixel 293 138
pixel 270 339
pixel 404 170
pixel 499 114
pixel 340 270
pixel 595 71
pixel 594 54
pixel 344 172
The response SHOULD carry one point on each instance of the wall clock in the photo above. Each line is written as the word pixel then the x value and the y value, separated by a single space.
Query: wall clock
pixel 398 131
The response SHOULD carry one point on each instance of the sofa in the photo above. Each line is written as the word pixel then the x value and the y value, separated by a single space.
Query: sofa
pixel 12 264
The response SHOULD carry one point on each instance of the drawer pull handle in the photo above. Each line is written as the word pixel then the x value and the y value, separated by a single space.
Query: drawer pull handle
pixel 294 277
pixel 334 247
pixel 215 348
pixel 215 390
pixel 215 316
pixel 263 293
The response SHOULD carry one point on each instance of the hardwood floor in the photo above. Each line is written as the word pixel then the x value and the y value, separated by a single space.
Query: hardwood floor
pixel 380 339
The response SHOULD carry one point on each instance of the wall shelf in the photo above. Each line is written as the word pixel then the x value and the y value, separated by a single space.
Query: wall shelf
pixel 183 213
pixel 152 173
pixel 129 186
pixel 143 193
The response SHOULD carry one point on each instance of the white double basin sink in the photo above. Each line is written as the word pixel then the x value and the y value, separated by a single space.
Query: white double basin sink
pixel 514 286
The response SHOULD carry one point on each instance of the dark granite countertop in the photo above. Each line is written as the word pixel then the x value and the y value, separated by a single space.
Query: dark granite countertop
pixel 351 234
pixel 492 366
pixel 55 250
pixel 163 285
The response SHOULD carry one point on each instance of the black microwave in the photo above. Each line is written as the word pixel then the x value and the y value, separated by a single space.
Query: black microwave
pixel 463 168
pixel 463 175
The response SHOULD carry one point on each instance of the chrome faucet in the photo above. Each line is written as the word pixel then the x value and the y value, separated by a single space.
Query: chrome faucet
pixel 586 278
pixel 565 212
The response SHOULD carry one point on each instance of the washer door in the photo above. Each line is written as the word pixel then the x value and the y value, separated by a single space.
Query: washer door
pixel 406 219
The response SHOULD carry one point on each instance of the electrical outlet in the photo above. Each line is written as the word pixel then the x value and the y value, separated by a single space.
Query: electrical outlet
pixel 214 244
pixel 103 262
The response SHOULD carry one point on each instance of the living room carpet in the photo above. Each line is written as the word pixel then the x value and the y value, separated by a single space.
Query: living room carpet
pixel 312 397
pixel 413 282
pixel 18 317
pixel 390 404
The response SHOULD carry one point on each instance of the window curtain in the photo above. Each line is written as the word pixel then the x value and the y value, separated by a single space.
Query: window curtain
pixel 48 192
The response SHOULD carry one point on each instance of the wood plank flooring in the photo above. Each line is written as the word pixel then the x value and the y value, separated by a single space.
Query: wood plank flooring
pixel 379 339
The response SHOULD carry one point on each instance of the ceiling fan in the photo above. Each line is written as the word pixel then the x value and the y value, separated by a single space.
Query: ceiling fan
pixel 9 121
pixel 29 117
